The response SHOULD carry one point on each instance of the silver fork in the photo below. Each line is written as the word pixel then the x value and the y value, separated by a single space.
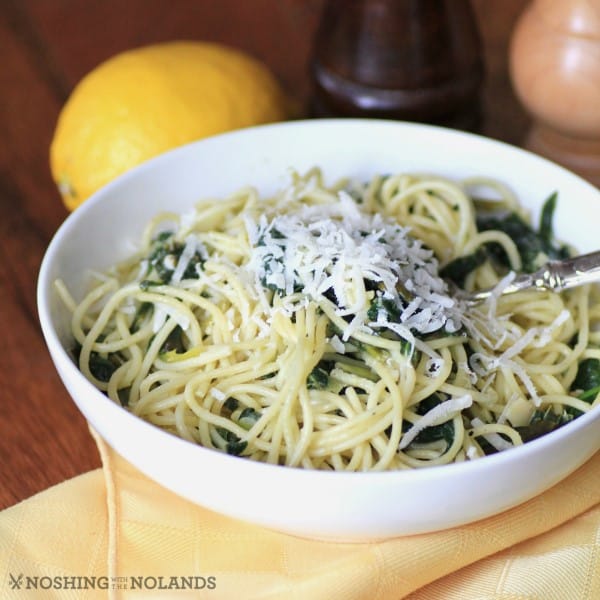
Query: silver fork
pixel 555 276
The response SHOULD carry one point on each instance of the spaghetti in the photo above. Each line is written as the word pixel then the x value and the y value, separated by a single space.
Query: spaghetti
pixel 316 328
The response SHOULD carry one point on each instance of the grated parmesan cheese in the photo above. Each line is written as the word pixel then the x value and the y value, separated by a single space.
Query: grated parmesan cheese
pixel 188 252
pixel 439 414
pixel 217 394
pixel 334 251
pixel 162 312
pixel 337 344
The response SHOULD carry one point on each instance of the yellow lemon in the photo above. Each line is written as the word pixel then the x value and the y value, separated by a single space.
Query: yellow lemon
pixel 148 100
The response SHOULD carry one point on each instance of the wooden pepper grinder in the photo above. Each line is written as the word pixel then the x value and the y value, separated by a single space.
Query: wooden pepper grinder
pixel 418 60
pixel 555 69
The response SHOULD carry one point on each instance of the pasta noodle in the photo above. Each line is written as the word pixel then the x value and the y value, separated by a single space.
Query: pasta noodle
pixel 317 328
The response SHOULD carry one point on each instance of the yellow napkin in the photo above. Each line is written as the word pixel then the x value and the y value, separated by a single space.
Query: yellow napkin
pixel 132 539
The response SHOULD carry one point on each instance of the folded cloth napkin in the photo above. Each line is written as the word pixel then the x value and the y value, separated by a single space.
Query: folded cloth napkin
pixel 113 533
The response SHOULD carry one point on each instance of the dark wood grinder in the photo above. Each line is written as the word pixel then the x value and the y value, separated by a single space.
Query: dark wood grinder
pixel 416 60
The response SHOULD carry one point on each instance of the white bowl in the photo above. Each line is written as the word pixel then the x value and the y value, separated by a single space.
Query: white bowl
pixel 329 505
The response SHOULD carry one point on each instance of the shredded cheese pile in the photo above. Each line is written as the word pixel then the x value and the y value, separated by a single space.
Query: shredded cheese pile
pixel 339 249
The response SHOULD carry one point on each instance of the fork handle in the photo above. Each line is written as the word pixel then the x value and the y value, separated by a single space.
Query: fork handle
pixel 572 272
pixel 557 275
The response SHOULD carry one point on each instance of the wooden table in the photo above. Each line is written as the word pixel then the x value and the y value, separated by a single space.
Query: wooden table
pixel 46 46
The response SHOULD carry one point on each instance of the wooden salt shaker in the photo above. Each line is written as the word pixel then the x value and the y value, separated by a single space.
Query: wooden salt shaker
pixel 555 69
pixel 418 60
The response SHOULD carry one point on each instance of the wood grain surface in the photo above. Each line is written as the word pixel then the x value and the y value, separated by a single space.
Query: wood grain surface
pixel 46 47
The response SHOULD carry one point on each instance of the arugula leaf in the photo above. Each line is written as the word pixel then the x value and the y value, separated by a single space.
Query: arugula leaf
pixel 248 417
pixel 230 404
pixel 546 219
pixel 101 368
pixel 458 269
pixel 534 247
pixel 588 375
pixel 163 247
pixel 228 441
pixel 587 380
pixel 543 422
pixel 318 378
pixel 387 305
pixel 174 342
